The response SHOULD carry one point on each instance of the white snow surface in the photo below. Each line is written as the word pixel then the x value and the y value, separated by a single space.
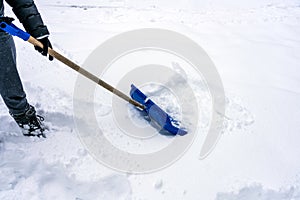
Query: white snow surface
pixel 255 46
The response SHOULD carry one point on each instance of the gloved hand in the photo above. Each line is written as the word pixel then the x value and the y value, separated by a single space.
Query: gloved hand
pixel 7 20
pixel 44 51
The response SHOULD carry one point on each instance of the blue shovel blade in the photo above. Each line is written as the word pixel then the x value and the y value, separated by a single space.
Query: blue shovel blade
pixel 155 113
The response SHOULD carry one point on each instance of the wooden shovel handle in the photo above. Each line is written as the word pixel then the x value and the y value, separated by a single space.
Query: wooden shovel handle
pixel 85 73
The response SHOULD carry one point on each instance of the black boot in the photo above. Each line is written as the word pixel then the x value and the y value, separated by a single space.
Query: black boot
pixel 30 123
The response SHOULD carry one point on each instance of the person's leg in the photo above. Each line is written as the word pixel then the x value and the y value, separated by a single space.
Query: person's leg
pixel 12 92
pixel 11 88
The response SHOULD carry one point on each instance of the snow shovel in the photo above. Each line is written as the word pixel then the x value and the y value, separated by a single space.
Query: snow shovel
pixel 139 99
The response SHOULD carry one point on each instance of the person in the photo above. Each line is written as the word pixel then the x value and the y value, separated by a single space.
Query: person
pixel 11 88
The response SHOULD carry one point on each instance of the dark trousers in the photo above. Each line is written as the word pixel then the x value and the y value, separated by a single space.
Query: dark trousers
pixel 11 88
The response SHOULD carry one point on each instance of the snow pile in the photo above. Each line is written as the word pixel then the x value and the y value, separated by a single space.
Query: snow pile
pixel 23 176
pixel 257 192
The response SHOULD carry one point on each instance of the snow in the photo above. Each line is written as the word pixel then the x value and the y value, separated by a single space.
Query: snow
pixel 254 45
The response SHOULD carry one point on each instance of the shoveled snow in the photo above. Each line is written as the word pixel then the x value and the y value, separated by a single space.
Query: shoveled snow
pixel 255 47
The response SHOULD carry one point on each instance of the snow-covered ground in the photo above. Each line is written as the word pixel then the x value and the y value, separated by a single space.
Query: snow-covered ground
pixel 255 46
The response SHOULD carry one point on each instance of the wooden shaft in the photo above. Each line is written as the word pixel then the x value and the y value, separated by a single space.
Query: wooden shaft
pixel 85 73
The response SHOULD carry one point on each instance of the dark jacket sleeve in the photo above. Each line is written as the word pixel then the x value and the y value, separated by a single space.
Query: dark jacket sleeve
pixel 28 14
pixel 1 8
